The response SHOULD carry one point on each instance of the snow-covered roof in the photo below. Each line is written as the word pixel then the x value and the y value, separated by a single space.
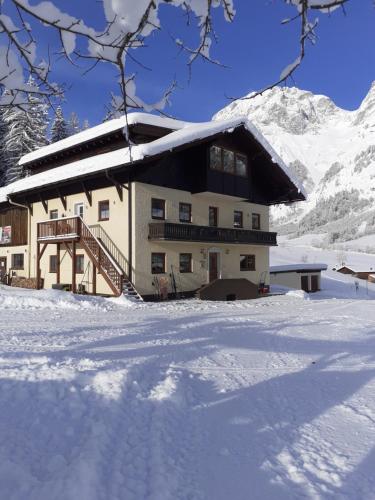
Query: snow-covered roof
pixel 188 133
pixel 355 269
pixel 305 267
pixel 103 129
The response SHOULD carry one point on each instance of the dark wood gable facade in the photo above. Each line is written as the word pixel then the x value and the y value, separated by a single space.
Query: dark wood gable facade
pixel 13 226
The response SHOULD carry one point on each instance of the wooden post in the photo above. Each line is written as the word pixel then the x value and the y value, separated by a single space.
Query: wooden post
pixel 74 263
pixel 38 266
pixel 58 263
pixel 93 278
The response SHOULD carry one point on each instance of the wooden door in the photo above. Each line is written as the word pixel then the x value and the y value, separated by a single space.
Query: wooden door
pixel 3 268
pixel 305 283
pixel 213 266
pixel 314 283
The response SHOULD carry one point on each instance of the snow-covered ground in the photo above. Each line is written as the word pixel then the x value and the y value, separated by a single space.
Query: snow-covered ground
pixel 270 399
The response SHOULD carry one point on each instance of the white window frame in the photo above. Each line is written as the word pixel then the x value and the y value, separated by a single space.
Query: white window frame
pixel 77 211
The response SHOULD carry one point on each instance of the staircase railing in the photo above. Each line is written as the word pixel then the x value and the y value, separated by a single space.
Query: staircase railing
pixel 106 240
pixel 110 270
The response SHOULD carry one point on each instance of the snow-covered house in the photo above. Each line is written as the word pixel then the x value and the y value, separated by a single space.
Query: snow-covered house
pixel 148 205
pixel 306 277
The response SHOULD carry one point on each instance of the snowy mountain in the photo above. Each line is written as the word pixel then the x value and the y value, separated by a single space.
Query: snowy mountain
pixel 332 150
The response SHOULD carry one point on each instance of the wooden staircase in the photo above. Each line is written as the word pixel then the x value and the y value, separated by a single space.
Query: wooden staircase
pixel 74 229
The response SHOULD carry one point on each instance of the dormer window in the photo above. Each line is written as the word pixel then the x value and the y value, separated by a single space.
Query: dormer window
pixel 230 162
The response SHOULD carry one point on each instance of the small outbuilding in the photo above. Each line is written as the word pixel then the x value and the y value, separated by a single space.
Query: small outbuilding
pixel 303 276
pixel 362 274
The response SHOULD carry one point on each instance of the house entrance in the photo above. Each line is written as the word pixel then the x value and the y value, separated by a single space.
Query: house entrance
pixel 3 268
pixel 213 266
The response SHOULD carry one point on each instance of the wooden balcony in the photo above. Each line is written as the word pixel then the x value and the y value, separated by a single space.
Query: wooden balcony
pixel 65 229
pixel 169 231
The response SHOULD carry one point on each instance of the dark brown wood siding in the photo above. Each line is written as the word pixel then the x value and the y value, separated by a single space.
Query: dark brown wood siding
pixel 17 219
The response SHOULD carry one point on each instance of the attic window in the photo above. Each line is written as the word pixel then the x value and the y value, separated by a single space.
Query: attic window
pixel 228 161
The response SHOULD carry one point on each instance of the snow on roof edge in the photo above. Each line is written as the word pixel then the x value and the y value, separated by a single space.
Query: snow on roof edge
pixel 299 267
pixel 103 129
pixel 186 134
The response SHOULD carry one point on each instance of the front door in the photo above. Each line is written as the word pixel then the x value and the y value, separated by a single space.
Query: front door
pixel 3 268
pixel 213 266
pixel 305 283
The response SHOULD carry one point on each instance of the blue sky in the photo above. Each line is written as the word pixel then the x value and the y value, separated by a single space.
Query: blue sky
pixel 255 47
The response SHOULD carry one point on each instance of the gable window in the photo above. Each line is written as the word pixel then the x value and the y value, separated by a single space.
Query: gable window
pixel 238 219
pixel 157 209
pixel 80 264
pixel 18 261
pixel 185 263
pixel 158 263
pixel 255 221
pixel 53 214
pixel 185 212
pixel 215 158
pixel 213 213
pixel 53 263
pixel 103 207
pixel 230 162
pixel 79 209
pixel 247 262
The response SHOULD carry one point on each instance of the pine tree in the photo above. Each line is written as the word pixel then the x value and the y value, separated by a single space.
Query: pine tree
pixel 85 125
pixel 59 129
pixel 74 124
pixel 26 132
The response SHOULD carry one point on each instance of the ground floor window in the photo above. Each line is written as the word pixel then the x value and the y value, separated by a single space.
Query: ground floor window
pixel 53 263
pixel 18 261
pixel 80 264
pixel 247 262
pixel 158 263
pixel 185 263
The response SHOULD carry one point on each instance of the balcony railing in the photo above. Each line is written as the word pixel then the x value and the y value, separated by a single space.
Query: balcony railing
pixel 65 228
pixel 170 231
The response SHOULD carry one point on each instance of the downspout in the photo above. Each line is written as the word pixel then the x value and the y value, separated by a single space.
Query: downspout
pixel 28 232
pixel 130 229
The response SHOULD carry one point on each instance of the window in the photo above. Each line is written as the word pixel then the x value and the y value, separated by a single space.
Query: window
pixel 79 209
pixel 241 165
pixel 255 221
pixel 238 219
pixel 228 161
pixel 215 158
pixel 158 263
pixel 17 261
pixel 80 264
pixel 103 210
pixel 53 214
pixel 185 263
pixel 247 262
pixel 53 263
pixel 157 209
pixel 213 216
pixel 185 212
